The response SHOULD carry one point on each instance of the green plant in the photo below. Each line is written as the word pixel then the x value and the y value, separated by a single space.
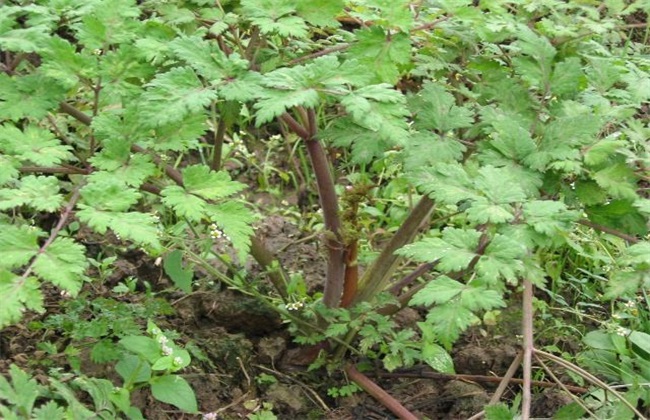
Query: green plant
pixel 153 362
pixel 26 398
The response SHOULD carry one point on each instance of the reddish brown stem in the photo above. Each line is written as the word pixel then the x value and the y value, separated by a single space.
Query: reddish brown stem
pixel 351 278
pixel 379 394
pixel 607 229
pixel 329 204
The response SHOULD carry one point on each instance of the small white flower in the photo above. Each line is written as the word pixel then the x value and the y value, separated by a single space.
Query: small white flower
pixel 167 351
pixel 210 416
pixel 178 361
pixel 162 339
pixel 630 304
pixel 623 332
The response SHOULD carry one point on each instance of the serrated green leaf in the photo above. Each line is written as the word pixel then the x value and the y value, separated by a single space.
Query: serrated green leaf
pixel 184 204
pixel 33 144
pixel 498 185
pixel 620 215
pixel 589 193
pixel 41 193
pixel 106 193
pixel 174 390
pixel 440 290
pixel 567 78
pixel 201 55
pixel 172 96
pixel 643 205
pixel 275 16
pixel 501 259
pixel 435 109
pixel 63 63
pixel 26 40
pixel 638 254
pixel 18 294
pixel 455 250
pixel 381 53
pixel 235 220
pixel 18 244
pixel 321 12
pixel 427 149
pixel 8 168
pixel 445 183
pixel 602 151
pixel 549 217
pixel 64 264
pixel 482 211
pixel 481 299
pixel 180 136
pixel 49 411
pixel 618 180
pixel 31 95
pixel 510 138
pixel 498 412
pixel 211 185
pixel 447 321
pixel 141 228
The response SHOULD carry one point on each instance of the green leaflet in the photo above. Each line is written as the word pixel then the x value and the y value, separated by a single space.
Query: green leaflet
pixel 174 95
pixel 275 17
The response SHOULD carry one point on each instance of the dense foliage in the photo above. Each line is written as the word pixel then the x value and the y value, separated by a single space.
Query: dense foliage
pixel 501 143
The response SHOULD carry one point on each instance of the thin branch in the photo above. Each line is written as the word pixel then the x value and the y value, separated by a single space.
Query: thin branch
pixel 507 379
pixel 54 170
pixel 65 215
pixel 564 387
pixel 607 229
pixel 411 277
pixel 75 113
pixel 378 393
pixel 295 126
pixel 317 54
pixel 589 377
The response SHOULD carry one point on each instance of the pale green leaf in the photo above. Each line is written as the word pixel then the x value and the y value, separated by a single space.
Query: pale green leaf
pixel 618 179
pixel 173 95
pixel 174 390
pixel 64 264
pixel 18 244
pixel 33 144
pixel 18 294
pixel 32 95
pixel 184 204
pixel 141 228
pixel 235 220
pixel 39 192
pixel 435 109
pixel 107 193
pixel 455 250
pixel 211 185
pixel 321 12
pixel 447 321
pixel 481 299
pixel 440 290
